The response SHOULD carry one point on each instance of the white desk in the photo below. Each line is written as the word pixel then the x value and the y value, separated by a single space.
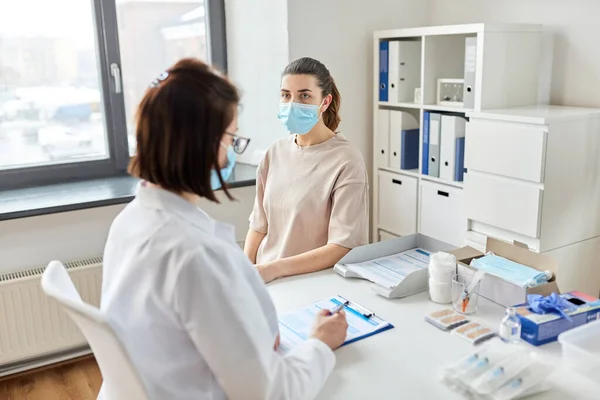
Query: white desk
pixel 404 362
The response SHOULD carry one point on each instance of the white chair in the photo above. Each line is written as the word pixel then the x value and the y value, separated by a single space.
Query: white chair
pixel 114 361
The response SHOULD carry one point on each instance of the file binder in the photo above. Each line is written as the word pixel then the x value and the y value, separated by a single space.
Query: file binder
pixel 404 70
pixel 399 121
pixel 470 67
pixel 296 326
pixel 459 171
pixel 409 151
pixel 434 144
pixel 384 49
pixel 383 137
pixel 452 128
pixel 425 155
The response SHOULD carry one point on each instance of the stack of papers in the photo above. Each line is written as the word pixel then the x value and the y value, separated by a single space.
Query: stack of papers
pixel 389 271
pixel 296 326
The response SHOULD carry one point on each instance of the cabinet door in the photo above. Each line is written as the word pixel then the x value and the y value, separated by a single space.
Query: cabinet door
pixel 443 215
pixel 504 203
pixel 504 148
pixel 383 235
pixel 397 203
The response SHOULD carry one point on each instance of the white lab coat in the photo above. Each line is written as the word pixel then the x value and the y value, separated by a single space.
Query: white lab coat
pixel 193 312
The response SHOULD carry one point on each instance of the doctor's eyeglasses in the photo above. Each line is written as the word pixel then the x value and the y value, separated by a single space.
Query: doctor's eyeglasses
pixel 239 143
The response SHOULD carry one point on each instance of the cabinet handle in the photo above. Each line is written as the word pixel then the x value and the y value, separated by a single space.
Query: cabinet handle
pixel 396 181
pixel 445 194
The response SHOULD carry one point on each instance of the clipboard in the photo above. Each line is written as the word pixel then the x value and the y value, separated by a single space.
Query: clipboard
pixel 295 326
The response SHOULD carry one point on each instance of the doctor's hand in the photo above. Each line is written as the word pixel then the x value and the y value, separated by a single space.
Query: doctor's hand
pixel 330 329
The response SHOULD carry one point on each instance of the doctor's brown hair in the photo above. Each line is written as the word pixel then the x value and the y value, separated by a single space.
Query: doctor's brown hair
pixel 180 123
pixel 310 66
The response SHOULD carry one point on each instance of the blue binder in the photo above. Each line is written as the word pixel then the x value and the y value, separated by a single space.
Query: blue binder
pixel 409 151
pixel 425 158
pixel 459 162
pixel 384 52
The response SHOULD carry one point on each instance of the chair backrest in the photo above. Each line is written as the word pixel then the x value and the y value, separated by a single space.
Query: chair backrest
pixel 121 379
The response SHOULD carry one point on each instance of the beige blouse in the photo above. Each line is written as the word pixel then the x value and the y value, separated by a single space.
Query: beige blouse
pixel 307 197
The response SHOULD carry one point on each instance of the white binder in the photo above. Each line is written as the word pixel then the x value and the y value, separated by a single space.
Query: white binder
pixel 453 127
pixel 404 70
pixel 399 121
pixel 470 67
pixel 434 144
pixel 383 137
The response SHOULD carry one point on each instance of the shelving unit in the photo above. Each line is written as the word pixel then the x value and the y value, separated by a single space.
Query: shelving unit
pixel 506 75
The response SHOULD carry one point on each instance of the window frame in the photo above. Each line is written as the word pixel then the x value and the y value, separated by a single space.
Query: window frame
pixel 108 53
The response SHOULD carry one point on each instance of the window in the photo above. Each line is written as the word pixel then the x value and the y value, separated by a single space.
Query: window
pixel 70 81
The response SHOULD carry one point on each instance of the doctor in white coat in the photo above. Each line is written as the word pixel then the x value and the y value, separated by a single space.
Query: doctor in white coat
pixel 189 307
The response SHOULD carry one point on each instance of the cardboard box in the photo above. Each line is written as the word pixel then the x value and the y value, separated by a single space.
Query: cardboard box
pixel 539 329
pixel 503 292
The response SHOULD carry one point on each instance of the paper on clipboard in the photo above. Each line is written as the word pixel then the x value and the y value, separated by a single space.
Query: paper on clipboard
pixel 296 326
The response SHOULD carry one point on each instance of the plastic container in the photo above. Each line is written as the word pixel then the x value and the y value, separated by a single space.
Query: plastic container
pixel 581 349
pixel 440 292
pixel 459 284
pixel 442 266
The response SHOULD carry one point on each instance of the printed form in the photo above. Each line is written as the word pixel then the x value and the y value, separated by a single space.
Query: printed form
pixel 389 271
pixel 296 326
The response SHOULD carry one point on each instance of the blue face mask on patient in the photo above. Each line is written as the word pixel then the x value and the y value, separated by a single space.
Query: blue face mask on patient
pixel 225 172
pixel 298 118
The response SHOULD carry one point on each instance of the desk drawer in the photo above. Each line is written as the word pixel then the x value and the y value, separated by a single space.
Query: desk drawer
pixel 397 203
pixel 443 215
pixel 508 149
pixel 508 204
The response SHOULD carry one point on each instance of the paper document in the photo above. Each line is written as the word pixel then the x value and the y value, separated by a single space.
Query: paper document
pixel 389 271
pixel 296 326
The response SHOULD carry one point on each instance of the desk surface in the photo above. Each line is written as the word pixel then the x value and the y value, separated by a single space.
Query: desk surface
pixel 404 362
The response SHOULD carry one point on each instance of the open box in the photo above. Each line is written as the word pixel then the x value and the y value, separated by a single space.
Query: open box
pixel 503 292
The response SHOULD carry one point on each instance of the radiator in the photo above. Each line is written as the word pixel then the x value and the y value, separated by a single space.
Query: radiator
pixel 32 326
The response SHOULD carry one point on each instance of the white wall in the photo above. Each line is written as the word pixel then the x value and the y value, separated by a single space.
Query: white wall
pixel 575 28
pixel 339 33
pixel 33 242
pixel 257 53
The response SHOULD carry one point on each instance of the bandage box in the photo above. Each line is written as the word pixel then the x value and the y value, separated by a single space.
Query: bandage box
pixel 539 329
pixel 500 291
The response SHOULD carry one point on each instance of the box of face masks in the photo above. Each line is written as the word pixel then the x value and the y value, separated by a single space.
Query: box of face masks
pixel 539 329
pixel 506 293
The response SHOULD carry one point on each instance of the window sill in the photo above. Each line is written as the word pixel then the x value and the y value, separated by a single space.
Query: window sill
pixel 22 203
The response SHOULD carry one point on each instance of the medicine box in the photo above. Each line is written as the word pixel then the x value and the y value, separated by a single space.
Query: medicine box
pixel 539 329
pixel 505 293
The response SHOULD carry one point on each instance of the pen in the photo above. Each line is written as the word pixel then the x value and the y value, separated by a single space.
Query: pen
pixel 339 307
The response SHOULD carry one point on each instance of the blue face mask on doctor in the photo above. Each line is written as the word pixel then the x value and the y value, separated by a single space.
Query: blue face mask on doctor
pixel 299 118
pixel 226 171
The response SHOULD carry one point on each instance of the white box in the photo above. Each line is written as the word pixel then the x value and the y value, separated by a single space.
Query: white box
pixel 397 203
pixel 442 213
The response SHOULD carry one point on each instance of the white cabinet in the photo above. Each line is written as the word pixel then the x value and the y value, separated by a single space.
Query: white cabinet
pixel 383 235
pixel 397 203
pixel 532 176
pixel 508 204
pixel 442 213
pixel 506 148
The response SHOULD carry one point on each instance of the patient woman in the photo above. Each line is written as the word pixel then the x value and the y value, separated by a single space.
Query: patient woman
pixel 311 203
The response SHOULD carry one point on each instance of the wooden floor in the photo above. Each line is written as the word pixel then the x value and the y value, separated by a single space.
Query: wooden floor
pixel 78 380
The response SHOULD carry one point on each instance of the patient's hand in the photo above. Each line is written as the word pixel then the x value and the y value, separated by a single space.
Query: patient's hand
pixel 267 272
pixel 277 342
